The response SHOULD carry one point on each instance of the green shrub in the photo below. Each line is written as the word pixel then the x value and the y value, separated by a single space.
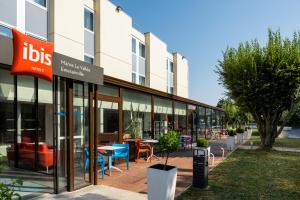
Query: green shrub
pixel 201 142
pixel 255 133
pixel 240 130
pixel 231 132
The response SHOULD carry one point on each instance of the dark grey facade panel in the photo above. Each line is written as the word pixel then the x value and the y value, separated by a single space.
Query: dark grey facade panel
pixel 6 50
pixel 8 12
pixel 36 20
pixel 89 43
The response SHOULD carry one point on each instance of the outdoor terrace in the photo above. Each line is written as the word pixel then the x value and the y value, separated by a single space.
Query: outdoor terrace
pixel 135 179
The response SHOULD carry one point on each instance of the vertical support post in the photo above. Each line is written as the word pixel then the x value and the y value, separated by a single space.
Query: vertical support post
pixel 96 128
pixel 91 133
pixel 186 120
pixel 55 132
pixel 36 109
pixel 120 102
pixel 16 154
pixel 173 114
pixel 152 116
pixel 205 122
pixel 70 133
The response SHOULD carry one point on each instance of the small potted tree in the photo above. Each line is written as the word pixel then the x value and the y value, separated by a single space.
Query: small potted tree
pixel 162 177
pixel 230 141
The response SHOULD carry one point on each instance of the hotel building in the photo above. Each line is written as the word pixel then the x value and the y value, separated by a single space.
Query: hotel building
pixel 104 70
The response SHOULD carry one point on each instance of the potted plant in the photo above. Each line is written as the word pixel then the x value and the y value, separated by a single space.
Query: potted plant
pixel 230 141
pixel 249 131
pixel 202 143
pixel 240 132
pixel 134 131
pixel 162 177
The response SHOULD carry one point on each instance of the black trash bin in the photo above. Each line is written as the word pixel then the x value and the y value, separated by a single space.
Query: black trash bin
pixel 200 167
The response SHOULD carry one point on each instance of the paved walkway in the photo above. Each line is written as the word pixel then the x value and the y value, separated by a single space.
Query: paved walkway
pixel 98 192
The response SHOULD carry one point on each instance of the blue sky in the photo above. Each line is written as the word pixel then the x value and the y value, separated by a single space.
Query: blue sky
pixel 201 29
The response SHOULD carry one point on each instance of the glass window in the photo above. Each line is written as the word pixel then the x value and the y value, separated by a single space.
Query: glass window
pixel 171 66
pixel 163 116
pixel 40 2
pixel 88 59
pixel 142 80
pixel 108 122
pixel 7 128
pixel 171 90
pixel 45 128
pixel 81 132
pixel 201 119
pixel 61 117
pixel 88 20
pixel 5 31
pixel 133 77
pixel 133 45
pixel 108 90
pixel 180 117
pixel 142 50
pixel 137 113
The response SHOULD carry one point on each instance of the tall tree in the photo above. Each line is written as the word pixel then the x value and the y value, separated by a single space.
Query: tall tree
pixel 264 81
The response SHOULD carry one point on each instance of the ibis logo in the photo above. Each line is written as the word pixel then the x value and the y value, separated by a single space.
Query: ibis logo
pixel 32 56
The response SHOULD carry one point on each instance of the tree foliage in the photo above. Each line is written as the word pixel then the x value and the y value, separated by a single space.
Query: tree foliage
pixel 235 116
pixel 168 143
pixel 264 80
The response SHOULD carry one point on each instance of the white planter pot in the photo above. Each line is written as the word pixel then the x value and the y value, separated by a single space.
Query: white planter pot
pixel 161 183
pixel 236 139
pixel 230 142
pixel 239 138
pixel 249 133
pixel 245 136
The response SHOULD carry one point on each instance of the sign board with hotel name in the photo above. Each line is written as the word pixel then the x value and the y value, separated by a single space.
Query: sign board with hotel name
pixel 68 67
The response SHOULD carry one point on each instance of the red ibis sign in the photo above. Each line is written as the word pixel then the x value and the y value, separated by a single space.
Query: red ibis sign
pixel 32 56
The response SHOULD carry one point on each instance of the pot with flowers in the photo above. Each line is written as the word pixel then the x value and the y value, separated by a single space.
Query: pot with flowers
pixel 162 177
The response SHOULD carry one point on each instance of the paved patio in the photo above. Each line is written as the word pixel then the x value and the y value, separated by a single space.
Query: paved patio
pixel 132 184
pixel 135 179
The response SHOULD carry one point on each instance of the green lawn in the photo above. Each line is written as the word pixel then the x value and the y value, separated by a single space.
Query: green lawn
pixel 279 142
pixel 252 174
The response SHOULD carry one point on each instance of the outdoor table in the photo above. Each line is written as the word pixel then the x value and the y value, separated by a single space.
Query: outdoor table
pixel 151 142
pixel 110 151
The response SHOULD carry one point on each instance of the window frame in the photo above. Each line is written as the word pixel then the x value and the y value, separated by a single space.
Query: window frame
pixel 140 55
pixel 93 14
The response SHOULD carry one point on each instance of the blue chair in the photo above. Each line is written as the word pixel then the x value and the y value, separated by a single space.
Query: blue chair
pixel 87 159
pixel 100 161
pixel 122 153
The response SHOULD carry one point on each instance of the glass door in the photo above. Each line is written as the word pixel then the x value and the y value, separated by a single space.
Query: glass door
pixel 81 147
pixel 108 122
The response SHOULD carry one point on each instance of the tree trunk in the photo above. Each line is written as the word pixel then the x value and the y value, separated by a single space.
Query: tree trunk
pixel 268 133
